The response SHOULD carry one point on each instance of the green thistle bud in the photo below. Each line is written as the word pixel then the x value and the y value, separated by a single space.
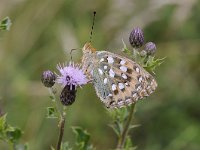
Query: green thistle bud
pixel 48 78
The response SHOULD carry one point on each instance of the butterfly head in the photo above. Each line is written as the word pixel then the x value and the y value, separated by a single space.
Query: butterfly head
pixel 88 48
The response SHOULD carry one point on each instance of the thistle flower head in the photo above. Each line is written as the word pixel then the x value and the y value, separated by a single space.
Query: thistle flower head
pixel 150 48
pixel 68 96
pixel 48 78
pixel 136 38
pixel 71 75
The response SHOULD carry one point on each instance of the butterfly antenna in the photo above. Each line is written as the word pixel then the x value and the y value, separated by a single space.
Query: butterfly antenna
pixel 71 53
pixel 94 14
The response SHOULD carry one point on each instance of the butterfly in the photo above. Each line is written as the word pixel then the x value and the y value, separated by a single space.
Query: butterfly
pixel 118 80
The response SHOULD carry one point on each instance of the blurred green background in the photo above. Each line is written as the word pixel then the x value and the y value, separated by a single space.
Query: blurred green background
pixel 41 36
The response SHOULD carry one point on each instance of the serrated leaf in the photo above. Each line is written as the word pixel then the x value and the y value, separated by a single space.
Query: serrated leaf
pixel 133 126
pixel 5 24
pixel 52 113
pixel 21 147
pixel 3 123
pixel 128 143
pixel 153 63
pixel 119 114
pixel 13 134
pixel 82 137
pixel 65 146
pixel 125 49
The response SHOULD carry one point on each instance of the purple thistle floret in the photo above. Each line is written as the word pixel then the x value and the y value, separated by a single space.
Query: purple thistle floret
pixel 71 74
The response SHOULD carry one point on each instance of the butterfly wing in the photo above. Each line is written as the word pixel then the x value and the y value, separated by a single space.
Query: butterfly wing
pixel 119 81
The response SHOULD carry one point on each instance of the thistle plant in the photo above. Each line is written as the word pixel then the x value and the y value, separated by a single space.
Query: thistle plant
pixel 8 133
pixel 70 77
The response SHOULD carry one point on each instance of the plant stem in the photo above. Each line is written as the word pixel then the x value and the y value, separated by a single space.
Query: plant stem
pixel 61 125
pixel 62 115
pixel 55 105
pixel 122 138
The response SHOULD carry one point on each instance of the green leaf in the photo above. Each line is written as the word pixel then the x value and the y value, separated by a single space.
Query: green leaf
pixel 90 147
pixel 3 123
pixel 115 129
pixel 128 144
pixel 52 113
pixel 52 148
pixel 3 126
pixel 82 138
pixel 5 24
pixel 65 146
pixel 125 49
pixel 153 63
pixel 13 134
pixel 119 114
pixel 119 117
pixel 51 97
pixel 21 147
pixel 134 126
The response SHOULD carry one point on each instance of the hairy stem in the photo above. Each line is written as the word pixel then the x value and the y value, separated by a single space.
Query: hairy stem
pixel 54 102
pixel 122 138
pixel 61 125
pixel 62 115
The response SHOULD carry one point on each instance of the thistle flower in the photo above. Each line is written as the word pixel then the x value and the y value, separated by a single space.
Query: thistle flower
pixel 136 38
pixel 48 78
pixel 71 75
pixel 150 48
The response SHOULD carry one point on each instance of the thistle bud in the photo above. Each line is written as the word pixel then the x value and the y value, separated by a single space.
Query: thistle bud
pixel 136 38
pixel 150 48
pixel 48 78
pixel 68 95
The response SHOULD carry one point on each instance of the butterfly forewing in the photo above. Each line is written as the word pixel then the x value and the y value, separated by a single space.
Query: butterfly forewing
pixel 118 81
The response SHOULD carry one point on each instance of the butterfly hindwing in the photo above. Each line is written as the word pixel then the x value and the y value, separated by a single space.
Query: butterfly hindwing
pixel 120 81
